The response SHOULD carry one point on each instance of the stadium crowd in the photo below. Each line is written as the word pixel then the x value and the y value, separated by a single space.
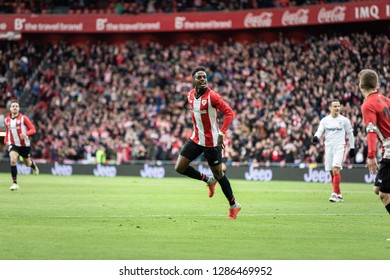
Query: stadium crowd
pixel 145 6
pixel 130 100
pixel 16 67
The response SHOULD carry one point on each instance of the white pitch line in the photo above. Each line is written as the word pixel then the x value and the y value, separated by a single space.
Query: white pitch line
pixel 206 215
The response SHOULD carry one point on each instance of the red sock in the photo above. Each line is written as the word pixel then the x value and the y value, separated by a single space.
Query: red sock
pixel 336 183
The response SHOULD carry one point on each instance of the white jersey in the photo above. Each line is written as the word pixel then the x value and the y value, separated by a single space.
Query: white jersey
pixel 335 130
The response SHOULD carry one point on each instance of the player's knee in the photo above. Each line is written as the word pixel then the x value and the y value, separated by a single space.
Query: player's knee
pixel 13 161
pixel 385 197
pixel 218 174
pixel 376 190
pixel 179 169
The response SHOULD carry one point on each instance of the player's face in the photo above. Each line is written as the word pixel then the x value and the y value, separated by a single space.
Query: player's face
pixel 335 108
pixel 200 80
pixel 14 108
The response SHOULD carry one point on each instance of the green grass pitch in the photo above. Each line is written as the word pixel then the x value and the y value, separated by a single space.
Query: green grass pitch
pixel 91 218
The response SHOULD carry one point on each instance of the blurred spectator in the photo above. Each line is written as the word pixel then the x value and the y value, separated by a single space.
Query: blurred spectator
pixel 101 155
pixel 16 62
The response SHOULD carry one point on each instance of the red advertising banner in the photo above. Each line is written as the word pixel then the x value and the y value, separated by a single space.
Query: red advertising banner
pixel 265 18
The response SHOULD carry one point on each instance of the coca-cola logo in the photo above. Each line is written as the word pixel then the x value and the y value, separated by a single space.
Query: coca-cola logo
pixel 301 16
pixel 337 14
pixel 262 20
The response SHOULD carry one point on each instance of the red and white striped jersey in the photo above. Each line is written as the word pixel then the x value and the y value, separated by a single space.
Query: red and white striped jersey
pixel 15 127
pixel 204 113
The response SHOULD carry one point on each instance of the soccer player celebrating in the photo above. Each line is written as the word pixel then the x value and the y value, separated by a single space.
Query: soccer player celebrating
pixel 335 127
pixel 376 114
pixel 18 129
pixel 207 138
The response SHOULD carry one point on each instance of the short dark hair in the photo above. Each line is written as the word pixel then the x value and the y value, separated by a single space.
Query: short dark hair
pixel 197 69
pixel 334 100
pixel 368 79
pixel 13 101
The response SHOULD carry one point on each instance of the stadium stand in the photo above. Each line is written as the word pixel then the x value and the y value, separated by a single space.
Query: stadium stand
pixel 17 64
pixel 139 111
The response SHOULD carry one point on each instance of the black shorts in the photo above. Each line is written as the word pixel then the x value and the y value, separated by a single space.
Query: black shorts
pixel 24 152
pixel 191 150
pixel 382 179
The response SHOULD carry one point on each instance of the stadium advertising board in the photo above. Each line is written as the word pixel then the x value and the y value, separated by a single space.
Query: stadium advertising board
pixel 264 18
pixel 148 170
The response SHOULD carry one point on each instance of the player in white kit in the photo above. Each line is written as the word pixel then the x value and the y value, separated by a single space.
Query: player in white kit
pixel 335 127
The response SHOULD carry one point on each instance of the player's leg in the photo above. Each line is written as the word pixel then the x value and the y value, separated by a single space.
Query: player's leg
pixel 224 167
pixel 13 156
pixel 25 153
pixel 382 183
pixel 190 152
pixel 328 167
pixel 30 163
pixel 385 197
pixel 337 165
pixel 336 179
pixel 214 159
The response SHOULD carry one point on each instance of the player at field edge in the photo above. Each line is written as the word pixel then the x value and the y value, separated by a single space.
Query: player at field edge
pixel 207 138
pixel 376 115
pixel 335 127
pixel 19 128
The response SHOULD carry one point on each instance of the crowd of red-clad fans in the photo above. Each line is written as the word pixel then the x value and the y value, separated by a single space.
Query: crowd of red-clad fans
pixel 131 99
pixel 145 6
pixel 17 63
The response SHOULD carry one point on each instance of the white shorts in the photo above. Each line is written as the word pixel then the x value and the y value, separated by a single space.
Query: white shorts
pixel 334 157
